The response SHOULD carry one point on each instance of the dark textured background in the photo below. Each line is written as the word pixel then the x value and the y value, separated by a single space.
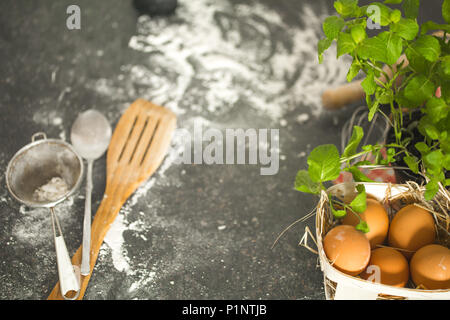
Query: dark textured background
pixel 236 263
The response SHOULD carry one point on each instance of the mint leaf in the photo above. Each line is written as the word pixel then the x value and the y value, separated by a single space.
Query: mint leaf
pixel 381 16
pixel 406 28
pixel 354 141
pixel 431 131
pixel 373 48
pixel 411 8
pixel 395 16
pixel 304 183
pixel 446 164
pixel 445 146
pixel 401 100
pixel 373 108
pixel 353 70
pixel 416 61
pixel 324 163
pixel 369 85
pixel 358 33
pixel 422 147
pixel 412 162
pixel 445 90
pixel 345 44
pixel 358 175
pixel 419 89
pixel 346 8
pixel 430 25
pixel 393 1
pixel 367 147
pixel 434 159
pixel 359 204
pixel 446 10
pixel 445 64
pixel 384 96
pixel 437 109
pixel 431 189
pixel 428 46
pixel 390 152
pixel 394 47
pixel 362 226
pixel 332 26
pixel 322 46
pixel 337 213
pixel 427 128
pixel 434 165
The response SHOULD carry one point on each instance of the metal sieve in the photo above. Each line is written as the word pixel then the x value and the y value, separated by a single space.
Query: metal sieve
pixel 32 167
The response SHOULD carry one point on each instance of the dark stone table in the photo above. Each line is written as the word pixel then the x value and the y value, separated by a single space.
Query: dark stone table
pixel 194 231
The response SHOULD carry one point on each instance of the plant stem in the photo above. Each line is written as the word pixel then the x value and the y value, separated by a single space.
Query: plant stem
pixel 396 114
pixel 346 206
pixel 378 69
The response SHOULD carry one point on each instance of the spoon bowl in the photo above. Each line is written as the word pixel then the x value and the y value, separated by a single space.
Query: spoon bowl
pixel 90 135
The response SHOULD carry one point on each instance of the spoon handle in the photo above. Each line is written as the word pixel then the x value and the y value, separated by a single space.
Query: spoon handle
pixel 85 263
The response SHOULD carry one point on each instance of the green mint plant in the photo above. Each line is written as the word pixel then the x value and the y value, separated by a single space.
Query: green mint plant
pixel 422 82
pixel 324 165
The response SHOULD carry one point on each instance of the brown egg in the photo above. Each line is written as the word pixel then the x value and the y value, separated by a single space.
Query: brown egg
pixel 348 249
pixel 411 229
pixel 387 266
pixel 377 219
pixel 430 267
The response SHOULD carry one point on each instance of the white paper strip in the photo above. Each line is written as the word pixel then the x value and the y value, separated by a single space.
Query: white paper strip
pixel 349 292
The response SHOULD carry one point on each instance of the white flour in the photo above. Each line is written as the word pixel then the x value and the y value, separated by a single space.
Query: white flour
pixel 35 224
pixel 53 190
pixel 202 70
pixel 47 116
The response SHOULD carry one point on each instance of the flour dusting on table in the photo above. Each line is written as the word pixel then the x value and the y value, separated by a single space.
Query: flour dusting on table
pixel 216 56
pixel 215 63
pixel 209 60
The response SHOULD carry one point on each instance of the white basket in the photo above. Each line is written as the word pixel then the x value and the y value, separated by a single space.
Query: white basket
pixel 340 286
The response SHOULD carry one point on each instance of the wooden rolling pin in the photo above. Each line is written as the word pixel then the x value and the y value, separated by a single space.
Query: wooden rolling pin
pixel 336 98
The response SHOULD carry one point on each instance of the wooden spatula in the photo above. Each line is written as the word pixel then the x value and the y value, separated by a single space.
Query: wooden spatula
pixel 138 146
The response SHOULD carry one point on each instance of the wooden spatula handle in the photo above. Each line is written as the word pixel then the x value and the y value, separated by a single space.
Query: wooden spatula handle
pixel 105 216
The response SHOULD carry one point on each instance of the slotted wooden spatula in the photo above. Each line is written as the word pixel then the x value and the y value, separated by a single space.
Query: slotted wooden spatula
pixel 138 146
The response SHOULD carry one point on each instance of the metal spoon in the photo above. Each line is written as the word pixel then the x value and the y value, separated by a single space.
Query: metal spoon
pixel 90 135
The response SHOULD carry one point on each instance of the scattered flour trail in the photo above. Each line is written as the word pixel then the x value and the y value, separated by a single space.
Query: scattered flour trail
pixel 210 60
